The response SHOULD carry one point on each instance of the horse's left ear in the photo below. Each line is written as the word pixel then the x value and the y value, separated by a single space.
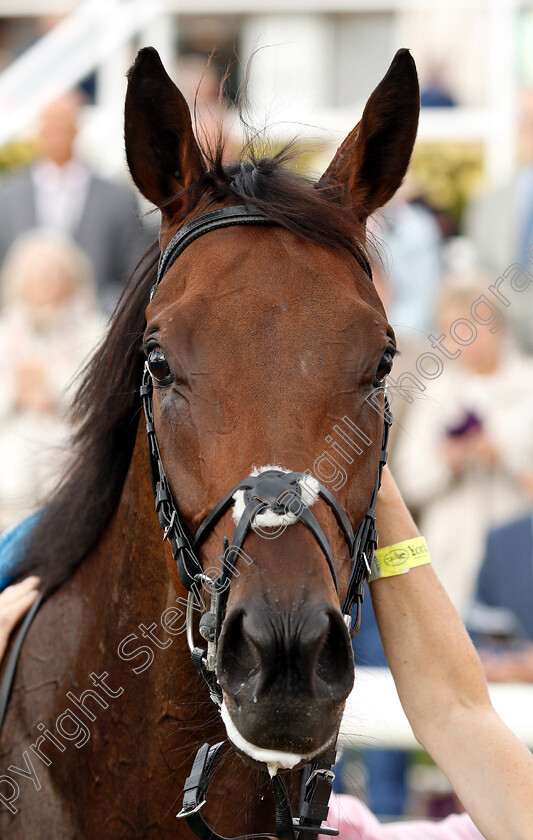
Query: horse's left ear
pixel 161 149
pixel 372 161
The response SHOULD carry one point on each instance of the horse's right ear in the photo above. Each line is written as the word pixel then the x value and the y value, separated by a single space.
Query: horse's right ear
pixel 162 152
pixel 371 163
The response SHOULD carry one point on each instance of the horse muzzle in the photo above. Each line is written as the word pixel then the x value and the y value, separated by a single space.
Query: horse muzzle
pixel 285 676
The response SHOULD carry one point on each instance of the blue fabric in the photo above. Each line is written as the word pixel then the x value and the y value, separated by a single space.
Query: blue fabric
pixel 434 97
pixel 367 648
pixel 386 774
pixel 12 547
pixel 506 574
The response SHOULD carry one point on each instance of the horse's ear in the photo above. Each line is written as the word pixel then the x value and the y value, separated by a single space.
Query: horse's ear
pixel 162 152
pixel 372 161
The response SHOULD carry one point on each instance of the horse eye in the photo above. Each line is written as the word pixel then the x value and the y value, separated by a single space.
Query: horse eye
pixel 159 367
pixel 385 366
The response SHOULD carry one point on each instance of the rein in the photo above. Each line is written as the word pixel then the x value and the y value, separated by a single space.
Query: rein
pixel 272 491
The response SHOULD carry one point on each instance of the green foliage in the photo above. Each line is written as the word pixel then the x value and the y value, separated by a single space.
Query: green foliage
pixel 15 155
pixel 448 174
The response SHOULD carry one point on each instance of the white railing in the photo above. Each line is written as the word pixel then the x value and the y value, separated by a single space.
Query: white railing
pixel 66 55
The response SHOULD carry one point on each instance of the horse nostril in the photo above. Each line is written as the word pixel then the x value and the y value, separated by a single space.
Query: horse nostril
pixel 307 650
pixel 335 660
pixel 237 661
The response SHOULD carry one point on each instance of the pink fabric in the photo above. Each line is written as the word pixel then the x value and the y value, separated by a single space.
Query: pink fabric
pixel 356 822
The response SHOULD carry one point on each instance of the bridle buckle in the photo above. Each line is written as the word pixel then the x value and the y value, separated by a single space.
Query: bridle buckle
pixel 170 525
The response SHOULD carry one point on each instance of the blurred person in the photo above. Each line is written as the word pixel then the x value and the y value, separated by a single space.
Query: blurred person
pixel 508 666
pixel 203 88
pixel 357 822
pixel 435 92
pixel 59 191
pixel 411 241
pixel 500 224
pixel 49 323
pixel 500 619
pixel 385 771
pixel 410 344
pixel 461 456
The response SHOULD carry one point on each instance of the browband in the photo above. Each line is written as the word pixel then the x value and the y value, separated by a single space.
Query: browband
pixel 225 217
pixel 240 214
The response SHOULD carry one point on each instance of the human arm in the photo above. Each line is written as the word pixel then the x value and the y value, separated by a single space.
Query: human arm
pixel 14 602
pixel 443 690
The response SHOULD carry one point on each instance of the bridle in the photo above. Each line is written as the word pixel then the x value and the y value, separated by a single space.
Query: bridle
pixel 276 492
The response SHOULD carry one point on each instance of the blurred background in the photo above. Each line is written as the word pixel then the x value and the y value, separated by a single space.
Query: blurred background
pixel 322 60
pixel 456 249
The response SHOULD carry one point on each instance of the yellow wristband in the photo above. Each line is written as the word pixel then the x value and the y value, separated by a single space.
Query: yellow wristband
pixel 399 558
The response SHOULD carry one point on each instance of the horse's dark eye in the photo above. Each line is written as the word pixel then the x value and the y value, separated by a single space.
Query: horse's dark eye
pixel 385 366
pixel 159 367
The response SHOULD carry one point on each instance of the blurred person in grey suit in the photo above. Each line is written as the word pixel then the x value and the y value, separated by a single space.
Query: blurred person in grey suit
pixel 500 224
pixel 61 192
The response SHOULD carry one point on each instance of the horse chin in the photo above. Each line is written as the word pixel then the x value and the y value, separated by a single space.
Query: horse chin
pixel 273 760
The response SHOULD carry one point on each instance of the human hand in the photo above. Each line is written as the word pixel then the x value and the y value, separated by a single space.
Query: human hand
pixel 475 447
pixel 482 449
pixel 526 482
pixel 15 600
pixel 33 388
pixel 511 666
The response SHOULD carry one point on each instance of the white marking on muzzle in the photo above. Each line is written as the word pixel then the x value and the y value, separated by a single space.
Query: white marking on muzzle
pixel 309 490
pixel 273 759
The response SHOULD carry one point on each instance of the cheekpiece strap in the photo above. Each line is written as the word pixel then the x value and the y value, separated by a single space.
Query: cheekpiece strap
pixel 366 539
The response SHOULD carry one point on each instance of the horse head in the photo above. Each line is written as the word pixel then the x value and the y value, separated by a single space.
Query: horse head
pixel 264 343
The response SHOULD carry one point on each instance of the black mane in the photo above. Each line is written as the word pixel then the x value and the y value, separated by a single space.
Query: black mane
pixel 106 407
